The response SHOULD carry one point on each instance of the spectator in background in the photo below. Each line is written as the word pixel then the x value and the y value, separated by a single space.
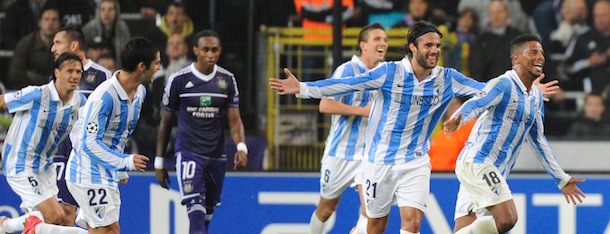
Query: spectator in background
pixel 416 10
pixel 591 125
pixel 491 51
pixel 573 23
pixel 107 27
pixel 32 63
pixel 385 12
pixel 461 40
pixel 176 52
pixel 107 61
pixel 588 56
pixel 21 19
pixel 518 19
pixel 96 49
pixel 175 21
pixel 444 150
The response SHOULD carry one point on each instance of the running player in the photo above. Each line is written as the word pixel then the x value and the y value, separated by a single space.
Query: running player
pixel 345 142
pixel 510 111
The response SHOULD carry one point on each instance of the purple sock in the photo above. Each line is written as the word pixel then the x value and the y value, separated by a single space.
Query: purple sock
pixel 198 223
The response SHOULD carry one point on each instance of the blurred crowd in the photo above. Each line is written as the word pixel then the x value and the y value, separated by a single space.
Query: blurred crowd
pixel 477 33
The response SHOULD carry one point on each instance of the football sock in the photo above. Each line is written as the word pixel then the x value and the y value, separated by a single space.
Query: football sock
pixel 315 225
pixel 484 224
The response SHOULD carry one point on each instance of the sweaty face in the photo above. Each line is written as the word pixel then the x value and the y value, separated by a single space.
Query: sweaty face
pixel 60 44
pixel 376 46
pixel 68 75
pixel 531 59
pixel 208 51
pixel 427 50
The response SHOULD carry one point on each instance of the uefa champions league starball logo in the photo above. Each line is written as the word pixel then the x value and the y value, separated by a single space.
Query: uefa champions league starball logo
pixel 92 127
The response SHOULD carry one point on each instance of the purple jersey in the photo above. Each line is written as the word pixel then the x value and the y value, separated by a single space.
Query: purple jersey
pixel 200 101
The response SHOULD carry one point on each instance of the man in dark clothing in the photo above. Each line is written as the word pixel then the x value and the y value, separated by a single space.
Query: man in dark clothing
pixel 491 51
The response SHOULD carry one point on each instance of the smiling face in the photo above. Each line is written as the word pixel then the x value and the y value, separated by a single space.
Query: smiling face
pixel 68 75
pixel 374 47
pixel 529 59
pixel 427 50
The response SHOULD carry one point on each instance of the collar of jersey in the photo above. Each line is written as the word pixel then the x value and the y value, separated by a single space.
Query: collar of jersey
pixel 202 76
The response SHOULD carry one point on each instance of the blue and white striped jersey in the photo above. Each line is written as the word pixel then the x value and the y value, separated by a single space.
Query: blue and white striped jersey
pixel 101 133
pixel 93 75
pixel 346 134
pixel 508 115
pixel 41 121
pixel 404 111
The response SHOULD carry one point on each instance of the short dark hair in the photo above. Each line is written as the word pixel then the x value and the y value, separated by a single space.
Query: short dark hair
pixel 417 30
pixel 137 50
pixel 364 33
pixel 520 40
pixel 74 34
pixel 48 8
pixel 64 57
pixel 205 33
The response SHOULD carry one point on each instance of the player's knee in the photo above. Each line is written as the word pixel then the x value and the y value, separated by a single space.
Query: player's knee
pixel 506 223
pixel 56 216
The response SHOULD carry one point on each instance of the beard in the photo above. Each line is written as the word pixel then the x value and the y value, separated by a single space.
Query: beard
pixel 422 61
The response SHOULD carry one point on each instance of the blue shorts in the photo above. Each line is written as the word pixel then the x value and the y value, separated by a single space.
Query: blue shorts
pixel 200 177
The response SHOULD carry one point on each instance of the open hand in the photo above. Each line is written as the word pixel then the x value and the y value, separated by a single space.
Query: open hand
pixel 290 85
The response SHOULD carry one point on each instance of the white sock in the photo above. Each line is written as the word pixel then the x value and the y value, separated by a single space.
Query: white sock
pixel 484 224
pixel 43 228
pixel 15 224
pixel 407 232
pixel 315 225
pixel 361 225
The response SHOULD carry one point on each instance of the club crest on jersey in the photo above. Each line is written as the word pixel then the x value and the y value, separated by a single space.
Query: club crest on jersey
pixel 205 101
pixel 92 128
pixel 221 82
pixel 100 211
pixel 187 186
pixel 90 77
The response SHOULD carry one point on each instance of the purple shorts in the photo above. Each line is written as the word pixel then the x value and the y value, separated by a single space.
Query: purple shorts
pixel 64 196
pixel 200 176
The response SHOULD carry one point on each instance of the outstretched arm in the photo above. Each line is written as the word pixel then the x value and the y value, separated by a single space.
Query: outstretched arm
pixel 290 85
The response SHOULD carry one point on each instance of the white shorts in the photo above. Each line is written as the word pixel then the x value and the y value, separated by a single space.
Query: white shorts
pixel 408 184
pixel 336 175
pixel 481 186
pixel 34 188
pixel 100 205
